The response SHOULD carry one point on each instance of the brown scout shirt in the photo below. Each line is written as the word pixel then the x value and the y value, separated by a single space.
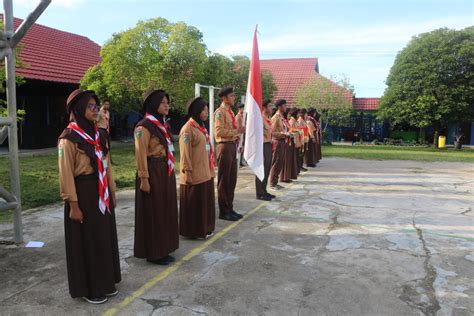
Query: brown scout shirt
pixel 240 119
pixel 278 126
pixel 194 156
pixel 311 129
pixel 104 119
pixel 224 130
pixel 295 129
pixel 74 162
pixel 302 124
pixel 267 129
pixel 146 145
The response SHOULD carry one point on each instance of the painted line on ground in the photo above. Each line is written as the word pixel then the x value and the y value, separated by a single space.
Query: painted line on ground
pixel 168 271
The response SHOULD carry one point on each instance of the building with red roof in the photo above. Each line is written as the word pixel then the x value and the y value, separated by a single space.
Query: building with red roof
pixel 290 74
pixel 366 104
pixel 53 63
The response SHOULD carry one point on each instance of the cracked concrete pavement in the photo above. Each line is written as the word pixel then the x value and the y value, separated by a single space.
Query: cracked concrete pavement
pixel 351 237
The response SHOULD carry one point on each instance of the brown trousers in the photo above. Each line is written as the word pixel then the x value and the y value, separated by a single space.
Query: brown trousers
pixel 261 186
pixel 277 162
pixel 227 176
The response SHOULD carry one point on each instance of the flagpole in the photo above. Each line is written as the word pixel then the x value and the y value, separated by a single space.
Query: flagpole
pixel 244 119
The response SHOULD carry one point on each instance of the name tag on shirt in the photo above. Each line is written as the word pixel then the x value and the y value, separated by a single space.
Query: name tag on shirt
pixel 208 147
pixel 171 148
pixel 105 163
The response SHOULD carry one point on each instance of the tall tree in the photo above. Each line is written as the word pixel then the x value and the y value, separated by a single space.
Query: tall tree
pixel 331 97
pixel 153 54
pixel 432 81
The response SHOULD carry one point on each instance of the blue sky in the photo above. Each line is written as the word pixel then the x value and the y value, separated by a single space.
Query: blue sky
pixel 359 39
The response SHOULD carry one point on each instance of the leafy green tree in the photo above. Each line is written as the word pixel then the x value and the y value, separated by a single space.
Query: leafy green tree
pixel 331 97
pixel 431 82
pixel 153 54
pixel 19 80
pixel 222 71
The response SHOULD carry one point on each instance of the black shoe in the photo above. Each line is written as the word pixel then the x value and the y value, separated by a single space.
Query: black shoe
pixel 239 216
pixel 95 300
pixel 271 196
pixel 170 258
pixel 304 169
pixel 279 187
pixel 264 198
pixel 229 217
pixel 162 261
pixel 287 181
pixel 112 294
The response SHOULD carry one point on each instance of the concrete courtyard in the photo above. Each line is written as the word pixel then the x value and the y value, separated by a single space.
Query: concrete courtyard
pixel 351 237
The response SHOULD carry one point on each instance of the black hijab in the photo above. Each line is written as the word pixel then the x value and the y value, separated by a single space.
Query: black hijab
pixel 151 103
pixel 76 107
pixel 195 109
pixel 295 112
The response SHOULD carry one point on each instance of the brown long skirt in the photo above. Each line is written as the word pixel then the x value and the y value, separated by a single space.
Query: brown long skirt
pixel 318 152
pixel 93 264
pixel 197 209
pixel 156 213
pixel 285 174
pixel 310 155
pixel 295 171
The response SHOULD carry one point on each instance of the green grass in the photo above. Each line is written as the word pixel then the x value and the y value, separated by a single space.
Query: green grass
pixel 40 183
pixel 382 152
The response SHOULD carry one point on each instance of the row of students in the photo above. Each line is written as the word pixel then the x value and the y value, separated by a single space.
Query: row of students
pixel 88 188
pixel 297 140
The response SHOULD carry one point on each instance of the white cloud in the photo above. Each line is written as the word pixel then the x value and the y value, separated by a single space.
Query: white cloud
pixel 384 38
pixel 69 4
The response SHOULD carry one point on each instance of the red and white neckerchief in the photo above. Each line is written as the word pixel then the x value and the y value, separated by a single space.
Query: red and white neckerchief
pixel 287 127
pixel 164 130
pixel 104 201
pixel 208 141
pixel 234 121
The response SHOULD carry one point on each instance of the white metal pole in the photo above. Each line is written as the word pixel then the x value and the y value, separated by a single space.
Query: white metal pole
pixel 13 128
pixel 197 90
pixel 211 113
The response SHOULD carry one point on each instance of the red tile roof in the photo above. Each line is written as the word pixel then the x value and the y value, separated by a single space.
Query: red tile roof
pixel 292 73
pixel 366 104
pixel 52 55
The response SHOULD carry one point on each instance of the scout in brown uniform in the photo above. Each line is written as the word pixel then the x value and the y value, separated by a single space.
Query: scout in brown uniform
pixel 239 118
pixel 92 255
pixel 280 136
pixel 156 206
pixel 310 155
pixel 197 211
pixel 226 133
pixel 319 137
pixel 103 121
pixel 261 186
pixel 104 116
pixel 304 139
pixel 295 130
pixel 287 170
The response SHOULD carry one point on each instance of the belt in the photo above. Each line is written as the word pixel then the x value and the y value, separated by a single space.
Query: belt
pixel 86 177
pixel 158 159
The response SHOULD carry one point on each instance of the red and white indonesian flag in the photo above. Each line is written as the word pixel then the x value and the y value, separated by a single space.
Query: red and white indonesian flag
pixel 253 152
